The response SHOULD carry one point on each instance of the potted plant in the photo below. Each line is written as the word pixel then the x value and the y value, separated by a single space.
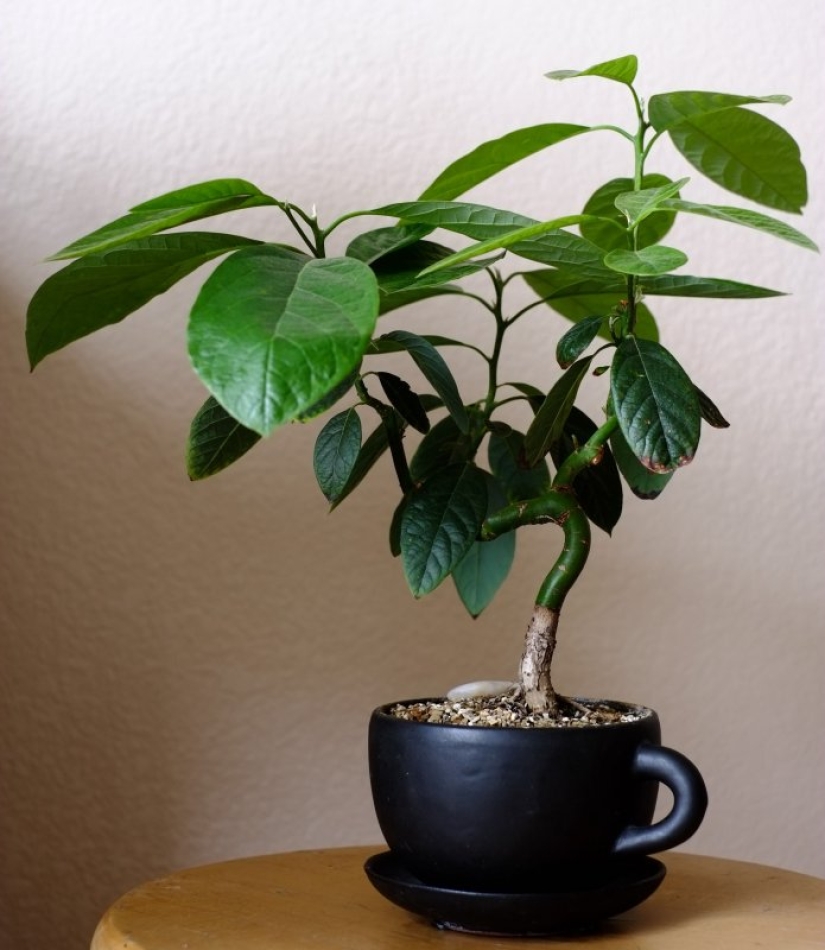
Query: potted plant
pixel 543 819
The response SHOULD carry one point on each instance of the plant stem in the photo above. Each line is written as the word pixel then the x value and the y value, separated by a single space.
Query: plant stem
pixel 395 435
pixel 588 454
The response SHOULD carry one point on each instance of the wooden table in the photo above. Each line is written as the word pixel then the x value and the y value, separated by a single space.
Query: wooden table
pixel 323 901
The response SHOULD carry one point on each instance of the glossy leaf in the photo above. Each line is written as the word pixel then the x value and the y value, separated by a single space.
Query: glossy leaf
pixel 442 446
pixel 383 344
pixel 371 246
pixel 216 440
pixel 169 211
pixel 638 205
pixel 682 285
pixel 747 218
pixel 621 70
pixel 655 403
pixel 508 462
pixel 373 448
pixel 548 423
pixel 405 401
pixel 602 204
pixel 667 109
pixel 492 157
pixel 435 370
pixel 328 401
pixel 575 341
pixel 403 298
pixel 746 153
pixel 640 480
pixel 336 452
pixel 479 575
pixel 478 222
pixel 439 525
pixel 647 261
pixel 411 268
pixel 272 332
pixel 101 289
pixel 597 487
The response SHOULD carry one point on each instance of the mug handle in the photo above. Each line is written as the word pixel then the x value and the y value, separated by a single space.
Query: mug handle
pixel 690 799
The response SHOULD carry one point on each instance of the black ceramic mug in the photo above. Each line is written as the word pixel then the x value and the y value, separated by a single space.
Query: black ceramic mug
pixel 510 808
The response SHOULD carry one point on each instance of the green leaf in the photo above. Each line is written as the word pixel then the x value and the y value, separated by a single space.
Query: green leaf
pixel 575 341
pixel 710 411
pixel 405 401
pixel 403 298
pixel 435 370
pixel 411 268
pixel 328 401
pixel 508 462
pixel 682 285
pixel 747 154
pixel 440 524
pixel 597 487
pixel 656 405
pixel 670 108
pixel 602 204
pixel 216 440
pixel 395 526
pixel 382 344
pixel 478 222
pixel 577 300
pixel 336 452
pixel 442 446
pixel 169 211
pixel 747 218
pixel 101 289
pixel 621 70
pixel 371 246
pixel 640 480
pixel 647 261
pixel 484 568
pixel 548 423
pixel 373 448
pixel 638 205
pixel 493 157
pixel 272 332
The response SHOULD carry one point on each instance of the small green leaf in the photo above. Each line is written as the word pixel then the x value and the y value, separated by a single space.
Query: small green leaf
pixel 432 365
pixel 336 452
pixel 371 246
pixel 169 211
pixel 682 285
pixel 508 462
pixel 746 153
pixel 602 204
pixel 478 222
pixel 638 205
pixel 216 440
pixel 373 448
pixel 403 298
pixel 548 423
pixel 656 405
pixel 484 568
pixel 747 218
pixel 492 157
pixel 575 341
pixel 640 480
pixel 405 401
pixel 710 411
pixel 442 446
pixel 670 108
pixel 272 332
pixel 412 268
pixel 101 289
pixel 440 524
pixel 597 487
pixel 647 261
pixel 621 70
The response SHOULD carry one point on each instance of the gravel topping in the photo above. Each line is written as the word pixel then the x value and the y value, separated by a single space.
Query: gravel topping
pixel 510 711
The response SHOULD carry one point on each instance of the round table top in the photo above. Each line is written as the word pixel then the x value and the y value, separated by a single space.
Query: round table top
pixel 323 900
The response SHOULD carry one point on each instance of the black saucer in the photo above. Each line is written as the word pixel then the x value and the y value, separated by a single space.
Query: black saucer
pixel 532 914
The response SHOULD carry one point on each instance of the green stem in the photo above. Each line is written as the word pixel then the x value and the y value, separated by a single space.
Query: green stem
pixel 395 435
pixel 586 455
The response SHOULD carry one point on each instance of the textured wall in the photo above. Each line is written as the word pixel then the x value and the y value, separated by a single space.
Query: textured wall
pixel 187 670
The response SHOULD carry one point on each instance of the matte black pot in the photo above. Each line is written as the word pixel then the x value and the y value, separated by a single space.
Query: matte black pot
pixel 508 808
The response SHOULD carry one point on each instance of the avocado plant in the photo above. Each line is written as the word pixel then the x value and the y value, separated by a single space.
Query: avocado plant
pixel 280 333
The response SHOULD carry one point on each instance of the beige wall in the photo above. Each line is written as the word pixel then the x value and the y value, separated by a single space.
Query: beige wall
pixel 186 671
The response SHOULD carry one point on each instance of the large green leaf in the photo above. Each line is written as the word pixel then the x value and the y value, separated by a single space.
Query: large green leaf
pixel 336 452
pixel 478 222
pixel 440 524
pixel 492 157
pixel 602 204
pixel 216 440
pixel 640 480
pixel 273 331
pixel 101 289
pixel 745 217
pixel 656 405
pixel 746 153
pixel 647 261
pixel 508 462
pixel 667 109
pixel 484 568
pixel 623 70
pixel 435 370
pixel 548 424
pixel 169 211
pixel 597 487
